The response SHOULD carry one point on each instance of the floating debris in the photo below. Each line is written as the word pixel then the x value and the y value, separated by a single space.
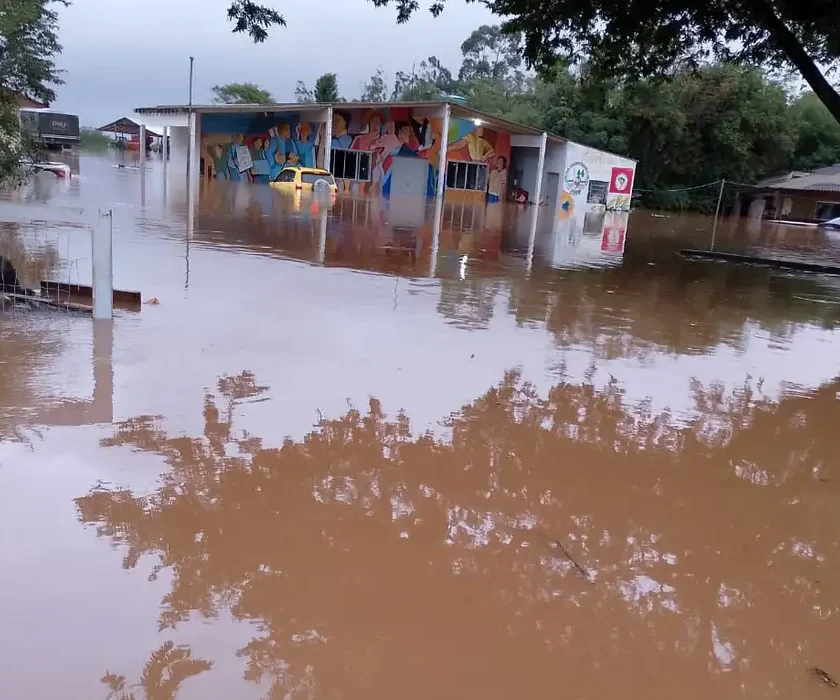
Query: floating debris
pixel 824 677
pixel 559 545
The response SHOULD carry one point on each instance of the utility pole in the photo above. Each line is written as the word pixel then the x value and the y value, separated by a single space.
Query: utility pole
pixel 190 119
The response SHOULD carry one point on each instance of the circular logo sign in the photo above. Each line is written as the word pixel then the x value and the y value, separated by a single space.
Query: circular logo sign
pixel 621 182
pixel 577 177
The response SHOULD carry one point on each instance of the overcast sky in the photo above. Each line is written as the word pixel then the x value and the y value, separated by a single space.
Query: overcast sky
pixel 133 53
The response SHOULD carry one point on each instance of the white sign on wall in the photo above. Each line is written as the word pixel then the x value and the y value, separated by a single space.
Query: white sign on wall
pixel 576 178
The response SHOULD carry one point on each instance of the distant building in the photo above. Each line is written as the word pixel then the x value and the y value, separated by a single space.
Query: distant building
pixel 49 128
pixel 796 196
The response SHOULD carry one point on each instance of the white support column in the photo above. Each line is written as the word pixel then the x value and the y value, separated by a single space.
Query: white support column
pixel 327 147
pixel 535 214
pixel 442 153
pixel 541 168
pixel 192 151
pixel 141 139
pixel 102 231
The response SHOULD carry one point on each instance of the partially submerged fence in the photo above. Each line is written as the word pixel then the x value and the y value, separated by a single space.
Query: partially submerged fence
pixel 62 257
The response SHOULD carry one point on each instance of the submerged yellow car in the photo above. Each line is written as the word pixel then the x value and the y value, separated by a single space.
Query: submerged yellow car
pixel 293 179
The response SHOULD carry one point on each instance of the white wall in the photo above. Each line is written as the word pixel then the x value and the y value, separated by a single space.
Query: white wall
pixel 555 162
pixel 599 165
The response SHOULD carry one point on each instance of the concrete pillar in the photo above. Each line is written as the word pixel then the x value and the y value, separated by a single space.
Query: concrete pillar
pixel 192 151
pixel 541 168
pixel 164 145
pixel 444 137
pixel 102 260
pixel 141 138
pixel 535 213
pixel 103 371
pixel 327 148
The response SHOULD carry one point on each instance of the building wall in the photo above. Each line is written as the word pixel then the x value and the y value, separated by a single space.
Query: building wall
pixel 803 204
pixel 476 143
pixel 585 166
pixel 526 162
pixel 272 141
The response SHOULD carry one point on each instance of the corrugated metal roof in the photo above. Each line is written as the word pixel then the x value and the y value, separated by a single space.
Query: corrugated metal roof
pixel 821 180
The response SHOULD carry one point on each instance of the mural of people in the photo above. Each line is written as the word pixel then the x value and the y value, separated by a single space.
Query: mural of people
pixel 304 144
pixel 278 149
pixel 497 181
pixel 405 136
pixel 472 146
pixel 260 171
pixel 372 133
pixel 340 137
pixel 283 139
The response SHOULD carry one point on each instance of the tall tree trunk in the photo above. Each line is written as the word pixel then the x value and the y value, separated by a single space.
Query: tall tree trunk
pixel 787 41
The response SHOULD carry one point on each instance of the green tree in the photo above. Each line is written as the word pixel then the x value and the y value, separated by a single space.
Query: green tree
pixel 28 47
pixel 491 54
pixel 254 19
pixel 376 88
pixel 241 93
pixel 719 122
pixel 818 134
pixel 303 93
pixel 428 81
pixel 636 38
pixel 326 88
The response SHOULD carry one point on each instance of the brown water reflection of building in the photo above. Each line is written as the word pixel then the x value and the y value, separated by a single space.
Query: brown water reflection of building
pixel 377 562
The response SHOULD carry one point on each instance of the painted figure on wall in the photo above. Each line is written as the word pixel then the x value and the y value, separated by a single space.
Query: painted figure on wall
pixel 497 181
pixel 340 137
pixel 260 171
pixel 304 145
pixel 472 147
pixel 279 147
pixel 373 132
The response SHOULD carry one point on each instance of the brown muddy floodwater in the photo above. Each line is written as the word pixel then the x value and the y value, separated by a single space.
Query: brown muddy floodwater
pixel 345 457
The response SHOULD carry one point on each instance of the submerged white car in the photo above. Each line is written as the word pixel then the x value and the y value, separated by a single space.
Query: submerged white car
pixel 831 224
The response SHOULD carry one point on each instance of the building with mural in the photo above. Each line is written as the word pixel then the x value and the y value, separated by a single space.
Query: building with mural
pixel 417 150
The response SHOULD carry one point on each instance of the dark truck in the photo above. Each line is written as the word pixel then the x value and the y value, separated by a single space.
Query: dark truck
pixel 52 129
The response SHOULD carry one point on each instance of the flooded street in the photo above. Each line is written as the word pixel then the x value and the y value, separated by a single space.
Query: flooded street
pixel 352 456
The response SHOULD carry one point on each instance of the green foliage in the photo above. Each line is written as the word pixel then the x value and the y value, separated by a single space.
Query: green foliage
pixel 428 81
pixel 326 88
pixel 375 89
pixel 94 140
pixel 29 44
pixel 253 19
pixel 241 93
pixel 303 93
pixel 490 54
pixel 637 38
pixel 818 134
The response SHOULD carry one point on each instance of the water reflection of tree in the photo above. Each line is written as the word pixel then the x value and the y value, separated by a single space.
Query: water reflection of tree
pixel 625 312
pixel 163 675
pixel 707 540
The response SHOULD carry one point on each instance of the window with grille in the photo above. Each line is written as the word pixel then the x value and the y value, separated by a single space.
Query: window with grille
pixel 350 165
pixel 463 175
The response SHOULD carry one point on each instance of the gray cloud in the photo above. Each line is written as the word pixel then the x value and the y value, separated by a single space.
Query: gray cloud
pixel 116 60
